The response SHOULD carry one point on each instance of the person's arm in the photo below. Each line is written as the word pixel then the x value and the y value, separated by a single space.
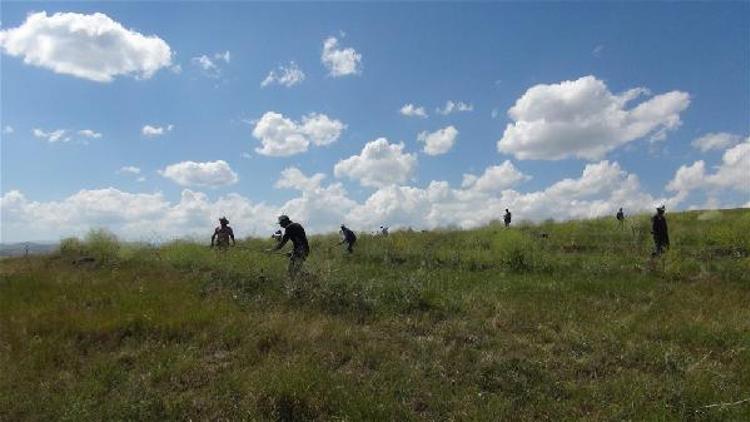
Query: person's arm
pixel 213 237
pixel 281 243
pixel 231 235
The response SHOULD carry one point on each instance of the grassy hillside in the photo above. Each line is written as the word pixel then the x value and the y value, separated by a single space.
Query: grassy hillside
pixel 473 325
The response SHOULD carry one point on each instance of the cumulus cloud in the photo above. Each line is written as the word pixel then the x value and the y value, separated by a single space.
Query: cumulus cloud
pixel 732 173
pixel 713 141
pixel 411 110
pixel 454 107
pixel 135 216
pixel 93 47
pixel 154 131
pixel 282 136
pixel 495 178
pixel 287 76
pixel 583 119
pixel 293 177
pixel 88 133
pixel 211 173
pixel 53 136
pixel 340 61
pixel 599 190
pixel 602 188
pixel 438 142
pixel 379 164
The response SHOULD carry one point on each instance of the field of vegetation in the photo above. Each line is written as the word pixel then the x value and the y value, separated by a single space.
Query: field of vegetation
pixel 555 321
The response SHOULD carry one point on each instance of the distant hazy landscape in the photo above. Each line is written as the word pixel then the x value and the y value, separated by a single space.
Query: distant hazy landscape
pixel 556 321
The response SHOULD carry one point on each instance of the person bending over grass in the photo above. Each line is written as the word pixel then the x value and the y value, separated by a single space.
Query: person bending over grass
pixel 348 237
pixel 300 248
pixel 222 235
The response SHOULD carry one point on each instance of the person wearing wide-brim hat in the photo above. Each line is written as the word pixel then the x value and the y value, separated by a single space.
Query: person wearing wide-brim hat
pixel 222 234
pixel 660 231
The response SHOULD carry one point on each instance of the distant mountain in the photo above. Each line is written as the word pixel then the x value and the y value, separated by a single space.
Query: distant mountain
pixel 19 249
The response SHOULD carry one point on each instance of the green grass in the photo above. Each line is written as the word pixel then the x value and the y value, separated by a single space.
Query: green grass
pixel 486 324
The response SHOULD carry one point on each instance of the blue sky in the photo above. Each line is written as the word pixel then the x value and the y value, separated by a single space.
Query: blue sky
pixel 487 56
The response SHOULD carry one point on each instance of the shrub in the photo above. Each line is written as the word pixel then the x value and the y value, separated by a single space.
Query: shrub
pixel 101 245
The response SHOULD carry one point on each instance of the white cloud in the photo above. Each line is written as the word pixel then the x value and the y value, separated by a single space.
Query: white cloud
pixel 379 164
pixel 226 56
pixel 211 173
pixel 93 47
pixel 454 107
pixel 599 190
pixel 411 110
pixel 440 141
pixel 153 131
pixel 712 141
pixel 129 170
pixel 282 136
pixel 495 178
pixel 732 173
pixel 54 136
pixel 583 119
pixel 293 177
pixel 287 76
pixel 88 133
pixel 7 130
pixel 598 50
pixel 338 61
pixel 135 216
pixel 209 64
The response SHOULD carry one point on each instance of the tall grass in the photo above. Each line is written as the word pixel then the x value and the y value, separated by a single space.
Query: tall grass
pixel 568 320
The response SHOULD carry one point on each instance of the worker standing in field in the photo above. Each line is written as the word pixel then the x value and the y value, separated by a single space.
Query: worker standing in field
pixel 383 231
pixel 621 218
pixel 222 235
pixel 348 237
pixel 506 218
pixel 300 248
pixel 660 232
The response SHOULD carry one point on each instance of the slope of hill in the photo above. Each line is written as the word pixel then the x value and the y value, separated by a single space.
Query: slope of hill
pixel 554 321
pixel 22 248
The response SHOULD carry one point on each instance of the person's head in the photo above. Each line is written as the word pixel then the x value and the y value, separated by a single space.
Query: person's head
pixel 661 209
pixel 284 221
pixel 506 210
pixel 223 221
pixel 343 227
pixel 620 209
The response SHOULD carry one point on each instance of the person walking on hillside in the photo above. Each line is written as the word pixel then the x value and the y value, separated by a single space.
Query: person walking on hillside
pixel 660 232
pixel 300 248
pixel 348 237
pixel 621 218
pixel 383 231
pixel 506 218
pixel 222 235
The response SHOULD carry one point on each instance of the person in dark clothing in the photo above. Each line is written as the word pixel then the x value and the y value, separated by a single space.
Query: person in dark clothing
pixel 300 248
pixel 348 237
pixel 660 232
pixel 222 235
pixel 506 218
pixel 621 217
